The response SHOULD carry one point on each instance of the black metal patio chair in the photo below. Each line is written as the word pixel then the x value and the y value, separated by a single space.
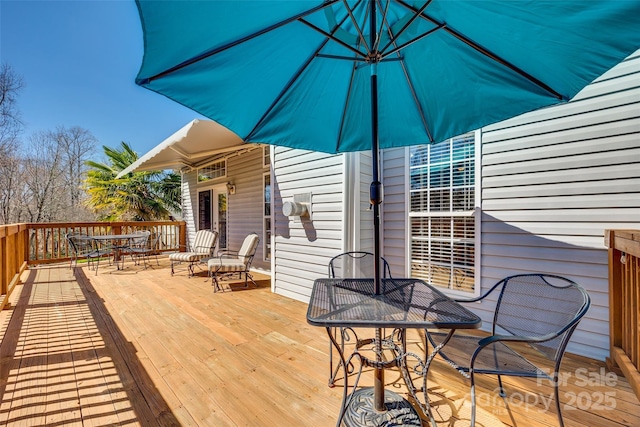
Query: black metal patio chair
pixel 143 249
pixel 83 246
pixel 539 311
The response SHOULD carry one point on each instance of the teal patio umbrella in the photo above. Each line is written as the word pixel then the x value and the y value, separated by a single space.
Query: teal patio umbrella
pixel 349 75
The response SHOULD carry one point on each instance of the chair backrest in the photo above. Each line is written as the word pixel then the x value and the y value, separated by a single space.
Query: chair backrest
pixel 540 304
pixel 356 264
pixel 154 243
pixel 141 240
pixel 204 242
pixel 81 243
pixel 248 248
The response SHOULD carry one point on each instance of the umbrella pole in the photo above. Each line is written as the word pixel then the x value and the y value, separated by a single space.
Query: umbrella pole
pixel 375 191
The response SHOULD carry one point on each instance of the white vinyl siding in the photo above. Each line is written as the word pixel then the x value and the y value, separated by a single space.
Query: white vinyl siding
pixel 190 203
pixel 302 249
pixel 394 210
pixel 246 206
pixel 553 180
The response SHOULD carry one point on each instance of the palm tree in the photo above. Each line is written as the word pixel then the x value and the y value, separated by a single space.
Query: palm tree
pixel 137 196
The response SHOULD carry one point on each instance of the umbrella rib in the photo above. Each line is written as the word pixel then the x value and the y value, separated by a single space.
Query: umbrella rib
pixel 404 27
pixel 355 23
pixel 346 104
pixel 332 37
pixel 296 76
pixel 219 49
pixel 411 88
pixel 485 51
pixel 412 41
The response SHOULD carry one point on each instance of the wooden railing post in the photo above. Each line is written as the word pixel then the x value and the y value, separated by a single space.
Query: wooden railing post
pixel 4 271
pixel 183 237
pixel 615 296
pixel 624 304
pixel 12 259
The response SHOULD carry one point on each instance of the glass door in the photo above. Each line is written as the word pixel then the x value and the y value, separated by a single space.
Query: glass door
pixel 212 212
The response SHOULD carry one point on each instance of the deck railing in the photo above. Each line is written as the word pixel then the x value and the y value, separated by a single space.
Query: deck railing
pixel 31 244
pixel 13 258
pixel 624 303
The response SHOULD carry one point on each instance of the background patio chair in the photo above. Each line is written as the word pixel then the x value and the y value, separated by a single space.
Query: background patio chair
pixel 134 246
pixel 354 264
pixel 229 262
pixel 539 311
pixel 202 248
pixel 83 246
pixel 144 249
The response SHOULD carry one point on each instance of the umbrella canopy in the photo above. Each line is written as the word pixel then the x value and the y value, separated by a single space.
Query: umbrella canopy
pixel 191 145
pixel 295 73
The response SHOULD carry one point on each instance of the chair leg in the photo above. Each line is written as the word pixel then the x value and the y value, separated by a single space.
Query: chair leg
pixel 502 392
pixel 190 268
pixel 558 405
pixel 214 282
pixel 172 267
pixel 331 376
pixel 473 399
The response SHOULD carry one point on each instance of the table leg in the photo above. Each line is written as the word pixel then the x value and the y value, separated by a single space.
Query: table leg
pixel 421 368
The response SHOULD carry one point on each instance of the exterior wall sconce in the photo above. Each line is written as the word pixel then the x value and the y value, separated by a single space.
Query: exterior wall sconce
pixel 299 208
pixel 231 188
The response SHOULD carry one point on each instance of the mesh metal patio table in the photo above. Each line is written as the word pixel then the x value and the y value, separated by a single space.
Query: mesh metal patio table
pixel 345 305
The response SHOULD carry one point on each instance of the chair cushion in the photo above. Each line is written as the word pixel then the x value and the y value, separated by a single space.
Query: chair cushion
pixel 226 265
pixel 187 256
pixel 248 248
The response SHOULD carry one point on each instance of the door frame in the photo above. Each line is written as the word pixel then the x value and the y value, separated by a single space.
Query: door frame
pixel 215 190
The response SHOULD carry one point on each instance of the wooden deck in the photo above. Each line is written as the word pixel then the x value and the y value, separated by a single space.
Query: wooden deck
pixel 139 347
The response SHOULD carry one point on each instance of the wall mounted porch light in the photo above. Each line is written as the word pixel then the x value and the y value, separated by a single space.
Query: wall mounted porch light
pixel 231 188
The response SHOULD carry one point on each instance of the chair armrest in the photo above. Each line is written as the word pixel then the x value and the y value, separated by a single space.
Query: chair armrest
pixel 227 254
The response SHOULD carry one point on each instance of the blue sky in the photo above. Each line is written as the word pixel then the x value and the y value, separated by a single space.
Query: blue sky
pixel 79 60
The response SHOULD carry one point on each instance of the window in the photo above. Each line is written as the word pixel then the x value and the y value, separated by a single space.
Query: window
pixel 214 170
pixel 267 216
pixel 266 156
pixel 441 213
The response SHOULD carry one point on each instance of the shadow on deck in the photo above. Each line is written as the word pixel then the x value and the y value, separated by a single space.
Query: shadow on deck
pixel 140 347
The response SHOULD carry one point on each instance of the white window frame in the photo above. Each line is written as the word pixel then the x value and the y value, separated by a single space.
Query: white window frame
pixel 476 213
pixel 266 156
pixel 266 239
pixel 205 181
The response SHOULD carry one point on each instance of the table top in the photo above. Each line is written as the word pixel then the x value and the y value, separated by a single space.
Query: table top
pixel 402 303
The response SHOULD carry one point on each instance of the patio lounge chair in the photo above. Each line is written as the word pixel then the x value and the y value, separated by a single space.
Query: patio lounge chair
pixel 202 248
pixel 355 264
pixel 229 262
pixel 83 246
pixel 539 311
